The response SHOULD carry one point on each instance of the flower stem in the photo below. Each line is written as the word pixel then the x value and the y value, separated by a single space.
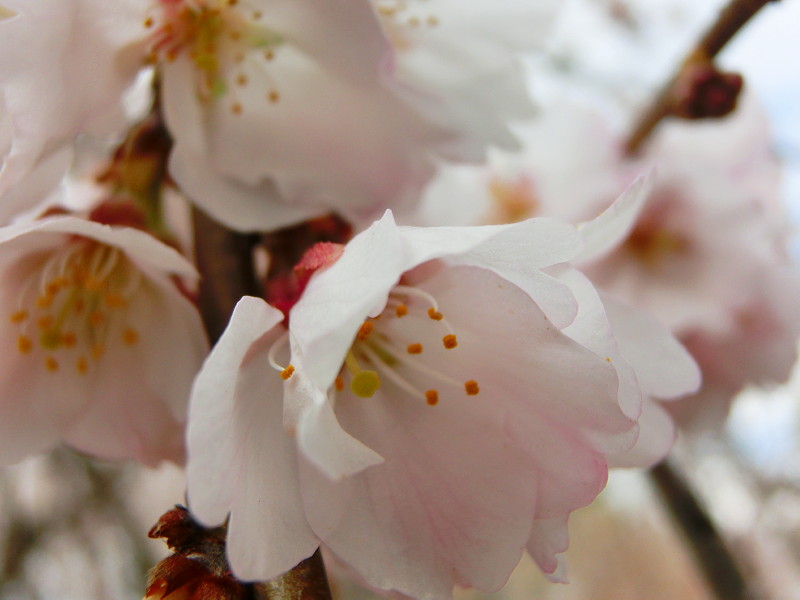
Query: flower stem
pixel 731 19
pixel 721 570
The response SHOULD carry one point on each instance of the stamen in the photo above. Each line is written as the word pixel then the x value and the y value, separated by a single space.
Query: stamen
pixel 51 364
pixel 450 341
pixel 408 290
pixel 287 372
pixel 472 388
pixel 130 336
pixel 364 331
pixel 277 345
pixel 435 315
pixel 24 344
pixel 82 365
pixel 19 316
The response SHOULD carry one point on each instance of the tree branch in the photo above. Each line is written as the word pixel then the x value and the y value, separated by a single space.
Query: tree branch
pixel 732 18
pixel 721 570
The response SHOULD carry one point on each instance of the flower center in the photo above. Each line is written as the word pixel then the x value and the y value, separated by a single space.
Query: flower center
pixel 400 19
pixel 217 35
pixel 513 200
pixel 76 305
pixel 393 347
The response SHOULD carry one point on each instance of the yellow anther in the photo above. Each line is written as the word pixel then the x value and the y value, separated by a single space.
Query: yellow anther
pixel 82 365
pixel 450 341
pixel 19 316
pixel 413 22
pixel 472 388
pixel 24 344
pixel 287 372
pixel 365 330
pixel 435 314
pixel 50 339
pixel 414 349
pixel 433 21
pixel 51 364
pixel 432 397
pixel 148 22
pixel 130 336
pixel 401 310
pixel 339 384
pixel 364 384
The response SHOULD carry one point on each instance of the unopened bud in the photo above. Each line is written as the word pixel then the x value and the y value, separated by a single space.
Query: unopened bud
pixel 704 92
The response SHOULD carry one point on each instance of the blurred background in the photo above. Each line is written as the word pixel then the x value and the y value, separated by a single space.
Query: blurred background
pixel 75 529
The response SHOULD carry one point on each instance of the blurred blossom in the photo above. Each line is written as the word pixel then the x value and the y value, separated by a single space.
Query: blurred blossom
pixel 91 318
pixel 280 111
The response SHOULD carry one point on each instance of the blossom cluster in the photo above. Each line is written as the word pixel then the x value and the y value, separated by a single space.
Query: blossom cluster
pixel 471 310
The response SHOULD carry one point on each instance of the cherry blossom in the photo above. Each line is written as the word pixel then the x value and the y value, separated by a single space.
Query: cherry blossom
pixel 66 64
pixel 431 401
pixel 91 319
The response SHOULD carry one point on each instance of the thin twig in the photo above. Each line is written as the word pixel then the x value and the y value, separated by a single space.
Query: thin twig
pixel 717 564
pixel 732 18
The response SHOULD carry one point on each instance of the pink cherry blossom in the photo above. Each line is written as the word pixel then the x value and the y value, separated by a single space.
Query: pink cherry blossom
pixel 101 347
pixel 435 419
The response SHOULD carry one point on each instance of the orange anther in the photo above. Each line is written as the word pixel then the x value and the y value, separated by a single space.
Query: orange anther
pixel 472 388
pixel 432 397
pixel 414 349
pixel 51 364
pixel 401 310
pixel 339 384
pixel 435 314
pixel 148 22
pixel 45 322
pixel 82 365
pixel 236 108
pixel 69 339
pixel 241 79
pixel 287 372
pixel 44 301
pixel 97 318
pixel 114 300
pixel 24 344
pixel 19 316
pixel 273 96
pixel 97 351
pixel 365 330
pixel 450 341
pixel 130 336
